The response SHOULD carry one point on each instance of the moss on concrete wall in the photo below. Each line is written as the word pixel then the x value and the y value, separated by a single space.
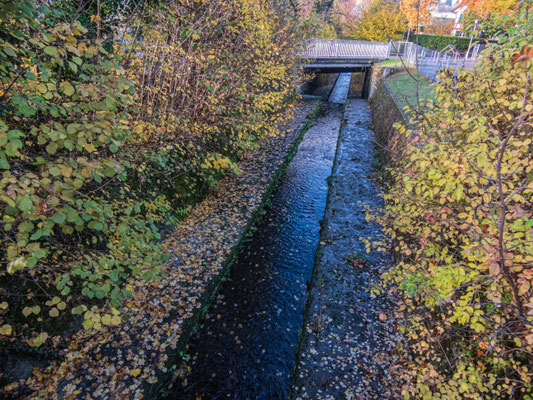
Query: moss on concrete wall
pixel 385 114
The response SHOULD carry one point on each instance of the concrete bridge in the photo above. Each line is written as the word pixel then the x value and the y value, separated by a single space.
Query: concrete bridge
pixel 325 55
pixel 344 56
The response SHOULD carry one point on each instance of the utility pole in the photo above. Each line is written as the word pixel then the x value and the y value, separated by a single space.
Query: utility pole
pixel 471 39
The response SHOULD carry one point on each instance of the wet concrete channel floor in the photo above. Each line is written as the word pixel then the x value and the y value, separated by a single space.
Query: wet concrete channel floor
pixel 348 343
pixel 340 90
pixel 246 347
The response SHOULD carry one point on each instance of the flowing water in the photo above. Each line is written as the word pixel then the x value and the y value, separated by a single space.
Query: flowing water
pixel 246 347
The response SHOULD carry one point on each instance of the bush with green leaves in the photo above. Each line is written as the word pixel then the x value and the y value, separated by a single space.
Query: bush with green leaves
pixel 459 211
pixel 112 125
pixel 71 228
pixel 439 42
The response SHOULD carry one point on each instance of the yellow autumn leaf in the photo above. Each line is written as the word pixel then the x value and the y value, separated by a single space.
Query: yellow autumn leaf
pixel 89 147
pixel 66 171
pixel 106 319
pixel 6 330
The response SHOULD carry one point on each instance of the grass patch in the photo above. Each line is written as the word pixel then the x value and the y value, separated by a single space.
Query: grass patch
pixel 390 63
pixel 403 87
pixel 393 63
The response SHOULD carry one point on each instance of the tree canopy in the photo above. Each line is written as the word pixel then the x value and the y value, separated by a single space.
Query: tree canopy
pixel 382 21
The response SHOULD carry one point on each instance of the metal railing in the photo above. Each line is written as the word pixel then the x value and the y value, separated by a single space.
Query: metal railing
pixel 412 54
pixel 430 61
pixel 408 51
pixel 345 49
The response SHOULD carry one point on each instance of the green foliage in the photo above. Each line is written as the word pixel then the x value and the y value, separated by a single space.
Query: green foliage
pixel 403 87
pixel 459 211
pixel 469 22
pixel 439 42
pixel 314 26
pixel 71 227
pixel 322 6
pixel 103 142
pixel 488 26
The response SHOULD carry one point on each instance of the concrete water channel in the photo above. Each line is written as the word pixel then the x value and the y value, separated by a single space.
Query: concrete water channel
pixel 246 348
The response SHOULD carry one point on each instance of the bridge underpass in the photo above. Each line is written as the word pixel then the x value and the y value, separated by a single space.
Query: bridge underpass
pixel 324 56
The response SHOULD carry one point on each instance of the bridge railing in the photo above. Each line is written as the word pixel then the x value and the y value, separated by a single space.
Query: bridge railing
pixel 430 61
pixel 349 49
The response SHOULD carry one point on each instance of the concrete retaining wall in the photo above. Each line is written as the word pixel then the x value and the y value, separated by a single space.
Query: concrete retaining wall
pixel 385 114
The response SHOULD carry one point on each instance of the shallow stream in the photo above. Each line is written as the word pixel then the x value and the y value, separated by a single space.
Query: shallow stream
pixel 246 346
